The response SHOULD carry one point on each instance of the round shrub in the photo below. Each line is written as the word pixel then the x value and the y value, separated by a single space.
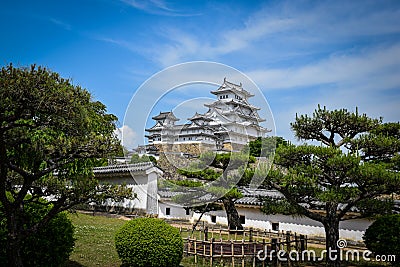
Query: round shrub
pixel 382 237
pixel 149 242
pixel 51 246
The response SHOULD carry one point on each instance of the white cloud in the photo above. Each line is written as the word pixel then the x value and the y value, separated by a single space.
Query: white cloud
pixel 376 69
pixel 157 7
pixel 368 80
pixel 347 57
pixel 281 29
pixel 128 136
pixel 60 23
pixel 183 45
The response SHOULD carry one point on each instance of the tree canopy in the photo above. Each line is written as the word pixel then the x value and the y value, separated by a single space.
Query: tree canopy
pixel 353 169
pixel 217 176
pixel 52 133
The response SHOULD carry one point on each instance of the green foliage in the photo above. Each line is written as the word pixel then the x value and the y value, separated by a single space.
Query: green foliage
pixel 136 158
pixel 264 147
pixel 153 159
pixel 234 193
pixel 382 236
pixel 382 145
pixel 52 134
pixel 326 182
pixel 223 185
pixel 149 242
pixel 278 206
pixel 186 183
pixel 50 246
pixel 324 125
pixel 247 176
pixel 328 175
pixel 207 174
pixel 372 207
pixel 225 161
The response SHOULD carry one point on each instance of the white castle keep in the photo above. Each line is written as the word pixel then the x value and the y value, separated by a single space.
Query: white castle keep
pixel 229 124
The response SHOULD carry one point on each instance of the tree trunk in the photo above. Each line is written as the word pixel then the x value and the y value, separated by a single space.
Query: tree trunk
pixel 13 242
pixel 232 214
pixel 332 237
pixel 198 220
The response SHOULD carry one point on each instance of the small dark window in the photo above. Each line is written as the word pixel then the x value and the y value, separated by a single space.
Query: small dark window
pixel 187 212
pixel 242 219
pixel 275 226
pixel 213 218
pixel 167 211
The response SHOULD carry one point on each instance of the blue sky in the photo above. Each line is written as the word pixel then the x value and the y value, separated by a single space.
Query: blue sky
pixel 340 54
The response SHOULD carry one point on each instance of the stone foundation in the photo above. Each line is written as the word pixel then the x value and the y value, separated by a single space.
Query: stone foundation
pixel 194 149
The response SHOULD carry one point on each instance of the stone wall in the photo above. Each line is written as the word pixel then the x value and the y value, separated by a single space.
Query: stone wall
pixel 194 149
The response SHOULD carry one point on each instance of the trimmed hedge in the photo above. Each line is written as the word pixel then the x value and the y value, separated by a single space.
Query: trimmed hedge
pixel 382 237
pixel 51 246
pixel 149 242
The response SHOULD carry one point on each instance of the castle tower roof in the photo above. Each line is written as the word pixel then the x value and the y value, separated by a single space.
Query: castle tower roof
pixel 165 115
pixel 232 87
pixel 198 116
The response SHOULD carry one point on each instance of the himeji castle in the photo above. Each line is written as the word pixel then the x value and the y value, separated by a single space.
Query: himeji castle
pixel 229 124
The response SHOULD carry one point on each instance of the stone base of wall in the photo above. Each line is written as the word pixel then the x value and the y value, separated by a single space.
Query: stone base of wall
pixel 233 147
pixel 194 149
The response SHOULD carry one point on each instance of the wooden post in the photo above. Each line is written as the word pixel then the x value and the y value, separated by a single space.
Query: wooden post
pixel 306 242
pixel 195 250
pixel 236 233
pixel 202 231
pixel 254 253
pixel 233 253
pixel 222 253
pixel 188 246
pixel 251 234
pixel 204 249
pixel 265 252
pixel 211 251
pixel 242 253
pixel 274 247
pixel 288 233
pixel 302 245
pixel 206 233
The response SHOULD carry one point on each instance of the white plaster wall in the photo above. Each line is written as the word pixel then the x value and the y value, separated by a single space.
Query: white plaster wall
pixel 152 191
pixel 353 229
pixel 139 186
pixel 176 212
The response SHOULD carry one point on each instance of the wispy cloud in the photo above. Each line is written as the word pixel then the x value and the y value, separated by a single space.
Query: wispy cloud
pixel 368 80
pixel 148 5
pixel 376 68
pixel 156 7
pixel 281 29
pixel 183 45
pixel 60 23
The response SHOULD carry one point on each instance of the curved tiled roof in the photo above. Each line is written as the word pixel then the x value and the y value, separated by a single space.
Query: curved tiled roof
pixel 136 167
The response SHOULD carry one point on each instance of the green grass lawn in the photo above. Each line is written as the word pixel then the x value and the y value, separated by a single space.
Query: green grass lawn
pixel 94 245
